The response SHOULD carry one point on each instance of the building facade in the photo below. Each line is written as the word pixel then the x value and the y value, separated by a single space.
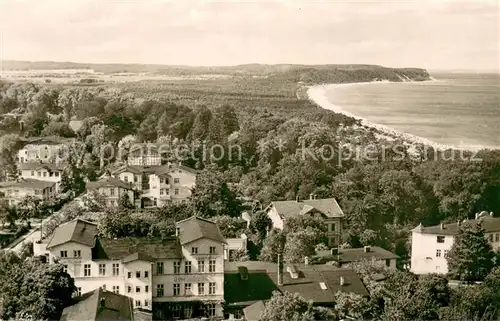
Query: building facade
pixel 177 278
pixel 158 185
pixel 326 210
pixel 43 149
pixel 15 191
pixel 47 172
pixel 112 189
pixel 430 245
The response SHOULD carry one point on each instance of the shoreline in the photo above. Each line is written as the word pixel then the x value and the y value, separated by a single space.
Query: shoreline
pixel 317 95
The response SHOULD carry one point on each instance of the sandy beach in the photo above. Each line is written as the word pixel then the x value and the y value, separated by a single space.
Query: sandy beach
pixel 317 95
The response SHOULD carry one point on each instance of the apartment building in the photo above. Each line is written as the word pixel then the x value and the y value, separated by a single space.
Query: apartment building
pixel 327 210
pixel 158 185
pixel 112 189
pixel 43 149
pixel 177 278
pixel 47 172
pixel 15 191
pixel 430 245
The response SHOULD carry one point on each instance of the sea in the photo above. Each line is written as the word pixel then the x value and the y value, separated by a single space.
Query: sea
pixel 456 109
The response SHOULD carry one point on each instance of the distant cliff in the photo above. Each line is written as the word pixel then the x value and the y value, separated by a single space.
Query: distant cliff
pixel 350 74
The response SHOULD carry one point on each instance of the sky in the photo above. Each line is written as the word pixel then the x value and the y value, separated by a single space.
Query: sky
pixel 432 34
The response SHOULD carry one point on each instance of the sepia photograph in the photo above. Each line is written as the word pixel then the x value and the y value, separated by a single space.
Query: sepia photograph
pixel 262 160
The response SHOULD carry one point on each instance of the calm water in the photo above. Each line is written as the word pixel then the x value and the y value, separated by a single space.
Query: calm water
pixel 456 109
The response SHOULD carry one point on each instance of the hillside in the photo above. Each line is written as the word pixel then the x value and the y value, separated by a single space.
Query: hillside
pixel 280 72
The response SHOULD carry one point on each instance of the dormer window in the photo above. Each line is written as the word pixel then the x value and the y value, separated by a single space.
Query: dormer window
pixel 64 253
pixel 194 250
pixel 77 253
pixel 440 239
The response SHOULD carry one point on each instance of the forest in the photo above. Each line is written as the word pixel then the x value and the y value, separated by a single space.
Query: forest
pixel 383 197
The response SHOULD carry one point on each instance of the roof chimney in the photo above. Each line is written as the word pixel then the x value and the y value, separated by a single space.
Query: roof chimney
pixel 311 196
pixel 297 199
pixel 442 226
pixel 342 281
pixel 280 270
pixel 367 249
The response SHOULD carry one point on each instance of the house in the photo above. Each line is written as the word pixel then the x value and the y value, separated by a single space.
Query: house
pixel 430 245
pixel 48 172
pixel 248 283
pixel 101 305
pixel 43 149
pixel 112 189
pixel 234 246
pixel 327 210
pixel 367 253
pixel 158 185
pixel 143 154
pixel 177 277
pixel 15 191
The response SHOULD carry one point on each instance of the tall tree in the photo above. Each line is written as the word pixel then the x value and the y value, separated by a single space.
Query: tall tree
pixel 201 125
pixel 471 256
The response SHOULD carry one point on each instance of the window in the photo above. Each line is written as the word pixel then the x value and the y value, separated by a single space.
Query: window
pixel 51 174
pixel 129 275
pixel 211 309
pixel 64 253
pixel 44 174
pixel 136 178
pixel 187 288
pixel 125 178
pixel 211 288
pixel 212 250
pixel 445 253
pixel 176 191
pixel 388 262
pixel 137 303
pixel 159 290
pixel 201 266
pixel 102 269
pixel 112 192
pixel 194 250
pixel 77 253
pixel 177 267
pixel 438 267
pixel 440 239
pixel 146 303
pixel 138 274
pixel 177 289
pixel 116 289
pixel 146 274
pixel 116 269
pixel 201 288
pixel 56 174
pixel 497 237
pixel 490 237
pixel 162 180
pixel 176 180
pixel 129 289
pixel 438 253
pixel 32 173
pixel 332 227
pixel 38 174
pixel 78 291
pixel 137 289
pixel 86 270
pixel 187 268
pixel 211 266
pixel 161 191
pixel 65 268
pixel 146 288
pixel 159 268
pixel 103 287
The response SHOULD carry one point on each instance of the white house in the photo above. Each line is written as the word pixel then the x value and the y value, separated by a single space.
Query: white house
pixel 15 191
pixel 158 185
pixel 180 277
pixel 327 210
pixel 43 149
pixel 48 172
pixel 430 245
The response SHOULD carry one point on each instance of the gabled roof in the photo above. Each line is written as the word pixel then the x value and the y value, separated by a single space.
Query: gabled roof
pixel 128 169
pixel 130 249
pixel 28 183
pixel 262 281
pixel 328 206
pixel 35 166
pixel 489 223
pixel 77 230
pixel 100 305
pixel 46 140
pixel 254 311
pixel 109 181
pixel 195 228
